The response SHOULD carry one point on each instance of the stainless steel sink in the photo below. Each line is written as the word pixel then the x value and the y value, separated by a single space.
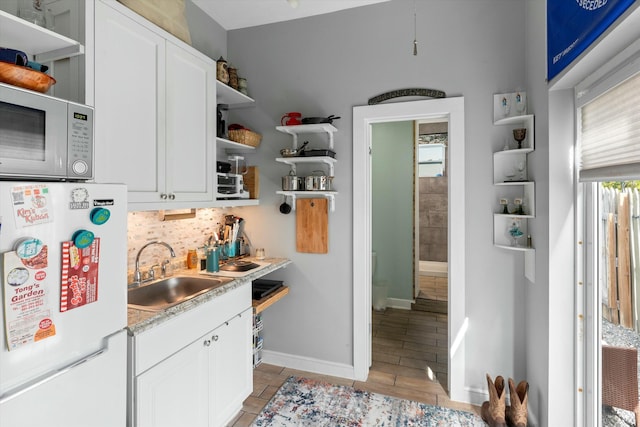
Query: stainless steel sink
pixel 170 291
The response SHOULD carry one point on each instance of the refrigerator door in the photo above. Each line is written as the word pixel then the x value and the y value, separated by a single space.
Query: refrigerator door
pixel 88 393
pixel 70 310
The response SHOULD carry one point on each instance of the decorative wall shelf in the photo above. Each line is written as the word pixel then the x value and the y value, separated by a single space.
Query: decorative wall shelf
pixel 511 178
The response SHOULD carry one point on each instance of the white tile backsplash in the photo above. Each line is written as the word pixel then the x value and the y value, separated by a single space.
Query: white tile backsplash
pixel 182 235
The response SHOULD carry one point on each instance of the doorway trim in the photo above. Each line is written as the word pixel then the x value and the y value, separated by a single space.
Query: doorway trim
pixel 363 117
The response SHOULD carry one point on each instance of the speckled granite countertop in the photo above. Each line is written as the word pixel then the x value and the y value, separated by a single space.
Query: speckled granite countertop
pixel 139 320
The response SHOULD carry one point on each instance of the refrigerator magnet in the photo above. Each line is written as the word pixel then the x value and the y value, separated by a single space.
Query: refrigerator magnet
pixel 82 238
pixel 99 216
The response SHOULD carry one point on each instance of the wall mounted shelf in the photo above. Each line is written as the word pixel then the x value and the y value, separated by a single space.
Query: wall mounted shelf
pixel 293 162
pixel 41 43
pixel 329 195
pixel 232 98
pixel 327 128
pixel 232 145
pixel 511 178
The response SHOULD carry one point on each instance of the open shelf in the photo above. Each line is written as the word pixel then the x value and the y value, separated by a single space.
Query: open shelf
pixel 232 145
pixel 330 195
pixel 295 130
pixel 262 304
pixel 230 97
pixel 293 161
pixel 42 44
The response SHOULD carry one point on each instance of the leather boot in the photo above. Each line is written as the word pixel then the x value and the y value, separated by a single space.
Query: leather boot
pixel 516 413
pixel 492 412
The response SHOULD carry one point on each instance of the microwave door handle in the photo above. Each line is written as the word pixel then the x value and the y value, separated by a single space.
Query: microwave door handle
pixel 49 376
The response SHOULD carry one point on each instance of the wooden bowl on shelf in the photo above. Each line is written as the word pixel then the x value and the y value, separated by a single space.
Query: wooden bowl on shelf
pixel 25 77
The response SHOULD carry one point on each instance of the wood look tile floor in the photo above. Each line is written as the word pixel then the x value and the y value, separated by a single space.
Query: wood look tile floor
pixel 409 361
pixel 434 288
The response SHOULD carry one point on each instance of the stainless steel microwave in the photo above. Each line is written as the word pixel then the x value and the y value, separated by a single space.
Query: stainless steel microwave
pixel 44 138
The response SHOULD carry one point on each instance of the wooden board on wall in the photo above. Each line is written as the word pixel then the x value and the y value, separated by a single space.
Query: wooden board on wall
pixel 252 182
pixel 312 226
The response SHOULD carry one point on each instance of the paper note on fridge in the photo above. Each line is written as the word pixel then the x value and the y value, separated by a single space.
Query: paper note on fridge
pixel 31 205
pixel 27 299
pixel 79 275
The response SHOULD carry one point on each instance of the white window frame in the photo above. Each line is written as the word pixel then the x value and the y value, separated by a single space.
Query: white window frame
pixel 588 330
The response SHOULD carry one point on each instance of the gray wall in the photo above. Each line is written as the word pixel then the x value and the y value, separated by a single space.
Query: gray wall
pixel 328 64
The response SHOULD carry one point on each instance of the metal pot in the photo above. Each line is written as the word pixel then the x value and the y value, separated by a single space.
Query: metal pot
pixel 318 182
pixel 292 182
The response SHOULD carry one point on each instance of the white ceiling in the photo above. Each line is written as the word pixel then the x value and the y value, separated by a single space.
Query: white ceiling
pixel 234 14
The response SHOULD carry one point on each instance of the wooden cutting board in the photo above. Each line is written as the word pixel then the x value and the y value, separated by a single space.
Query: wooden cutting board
pixel 312 226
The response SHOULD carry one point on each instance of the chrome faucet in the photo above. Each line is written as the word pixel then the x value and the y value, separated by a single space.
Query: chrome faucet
pixel 137 275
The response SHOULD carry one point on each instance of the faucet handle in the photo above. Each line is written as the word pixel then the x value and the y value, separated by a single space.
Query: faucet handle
pixel 152 272
pixel 163 270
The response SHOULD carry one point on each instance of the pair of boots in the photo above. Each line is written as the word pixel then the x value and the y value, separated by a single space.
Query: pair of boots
pixel 496 413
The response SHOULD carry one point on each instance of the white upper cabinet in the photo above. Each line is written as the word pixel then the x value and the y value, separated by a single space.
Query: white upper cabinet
pixel 155 113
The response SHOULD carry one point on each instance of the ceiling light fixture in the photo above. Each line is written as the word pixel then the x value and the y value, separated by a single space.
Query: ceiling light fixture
pixel 415 39
pixel 293 3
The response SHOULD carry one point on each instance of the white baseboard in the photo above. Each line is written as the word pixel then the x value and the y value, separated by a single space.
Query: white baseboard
pixel 308 364
pixel 403 304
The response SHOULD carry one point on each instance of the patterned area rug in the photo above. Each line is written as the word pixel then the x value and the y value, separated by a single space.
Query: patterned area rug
pixel 305 402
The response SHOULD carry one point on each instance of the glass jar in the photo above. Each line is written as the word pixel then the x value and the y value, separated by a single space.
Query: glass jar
pixel 192 259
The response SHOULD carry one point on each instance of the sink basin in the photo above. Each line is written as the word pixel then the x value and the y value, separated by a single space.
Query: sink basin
pixel 171 291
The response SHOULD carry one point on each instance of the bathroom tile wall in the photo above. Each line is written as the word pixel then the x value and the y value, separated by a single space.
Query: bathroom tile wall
pixel 433 218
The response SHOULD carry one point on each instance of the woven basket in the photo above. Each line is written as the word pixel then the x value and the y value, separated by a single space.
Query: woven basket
pixel 246 137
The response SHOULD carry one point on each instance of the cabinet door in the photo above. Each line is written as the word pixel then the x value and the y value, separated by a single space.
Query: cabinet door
pixel 190 125
pixel 232 380
pixel 129 102
pixel 175 392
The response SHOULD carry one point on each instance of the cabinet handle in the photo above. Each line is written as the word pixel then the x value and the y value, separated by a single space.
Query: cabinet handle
pixel 207 343
pixel 214 338
pixel 163 196
pixel 172 196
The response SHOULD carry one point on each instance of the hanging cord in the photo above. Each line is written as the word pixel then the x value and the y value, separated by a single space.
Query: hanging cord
pixel 415 39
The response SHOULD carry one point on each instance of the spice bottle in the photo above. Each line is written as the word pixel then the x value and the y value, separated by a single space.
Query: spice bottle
pixel 192 258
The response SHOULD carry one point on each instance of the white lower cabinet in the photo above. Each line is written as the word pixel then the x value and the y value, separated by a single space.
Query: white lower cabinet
pixel 195 369
pixel 232 373
pixel 176 391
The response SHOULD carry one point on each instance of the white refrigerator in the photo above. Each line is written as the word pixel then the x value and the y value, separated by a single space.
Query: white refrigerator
pixel 63 267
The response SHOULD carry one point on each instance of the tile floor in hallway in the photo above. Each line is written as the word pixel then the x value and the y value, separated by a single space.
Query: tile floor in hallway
pixel 434 288
pixel 409 361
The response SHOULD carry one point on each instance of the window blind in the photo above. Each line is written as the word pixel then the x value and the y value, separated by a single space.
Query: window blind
pixel 610 134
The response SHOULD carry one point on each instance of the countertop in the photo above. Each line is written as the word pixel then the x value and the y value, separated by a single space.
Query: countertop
pixel 139 320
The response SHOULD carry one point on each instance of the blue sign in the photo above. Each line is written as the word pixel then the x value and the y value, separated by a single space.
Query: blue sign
pixel 572 25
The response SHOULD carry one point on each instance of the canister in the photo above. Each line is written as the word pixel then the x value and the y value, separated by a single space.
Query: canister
pixel 213 259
